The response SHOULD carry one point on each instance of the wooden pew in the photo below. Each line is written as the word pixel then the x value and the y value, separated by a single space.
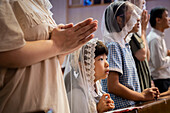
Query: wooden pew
pixel 162 105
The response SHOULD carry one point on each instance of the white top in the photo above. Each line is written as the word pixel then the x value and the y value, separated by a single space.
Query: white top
pixel 159 61
pixel 36 87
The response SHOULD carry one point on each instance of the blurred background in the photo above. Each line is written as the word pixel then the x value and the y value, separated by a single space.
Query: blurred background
pixel 73 11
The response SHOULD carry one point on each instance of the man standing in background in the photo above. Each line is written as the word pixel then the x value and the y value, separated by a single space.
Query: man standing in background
pixel 159 54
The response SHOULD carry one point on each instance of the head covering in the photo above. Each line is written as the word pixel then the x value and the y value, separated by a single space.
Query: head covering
pixel 138 3
pixel 118 19
pixel 79 79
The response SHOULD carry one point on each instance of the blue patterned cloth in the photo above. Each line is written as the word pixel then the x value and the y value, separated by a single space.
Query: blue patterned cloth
pixel 120 60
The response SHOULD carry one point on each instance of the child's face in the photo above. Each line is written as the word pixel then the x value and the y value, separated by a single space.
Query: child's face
pixel 101 67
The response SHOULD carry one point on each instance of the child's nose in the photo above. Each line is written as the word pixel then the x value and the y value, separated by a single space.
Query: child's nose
pixel 106 64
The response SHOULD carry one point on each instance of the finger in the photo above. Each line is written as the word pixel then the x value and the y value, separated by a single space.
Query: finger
pixel 143 13
pixel 60 26
pixel 156 93
pixel 83 41
pixel 68 26
pixel 109 101
pixel 82 24
pixel 87 27
pixel 155 88
pixel 86 31
pixel 110 106
pixel 86 34
pixel 104 96
pixel 153 96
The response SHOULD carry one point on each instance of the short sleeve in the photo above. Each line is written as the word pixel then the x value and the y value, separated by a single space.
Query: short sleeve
pixel 11 34
pixel 114 58
pixel 136 43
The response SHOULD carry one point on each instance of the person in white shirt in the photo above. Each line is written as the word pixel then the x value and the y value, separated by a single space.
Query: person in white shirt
pixel 159 54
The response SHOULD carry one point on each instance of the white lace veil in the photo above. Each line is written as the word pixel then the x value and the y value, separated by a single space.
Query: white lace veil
pixel 79 79
pixel 116 13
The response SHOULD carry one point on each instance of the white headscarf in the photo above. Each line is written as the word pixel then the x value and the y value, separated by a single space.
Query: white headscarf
pixel 110 28
pixel 79 79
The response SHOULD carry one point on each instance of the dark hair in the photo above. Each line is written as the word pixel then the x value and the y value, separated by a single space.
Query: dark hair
pixel 100 49
pixel 156 13
pixel 109 18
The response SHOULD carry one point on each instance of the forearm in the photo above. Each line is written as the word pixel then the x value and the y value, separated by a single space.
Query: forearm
pixel 115 87
pixel 143 37
pixel 30 53
pixel 144 52
pixel 126 93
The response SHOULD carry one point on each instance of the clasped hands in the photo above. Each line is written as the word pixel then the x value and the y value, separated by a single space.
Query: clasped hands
pixel 68 38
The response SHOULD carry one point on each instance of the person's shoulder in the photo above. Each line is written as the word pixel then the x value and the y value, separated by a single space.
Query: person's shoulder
pixel 152 36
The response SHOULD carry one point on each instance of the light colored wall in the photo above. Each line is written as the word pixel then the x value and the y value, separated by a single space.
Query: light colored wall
pixel 96 12
pixel 59 11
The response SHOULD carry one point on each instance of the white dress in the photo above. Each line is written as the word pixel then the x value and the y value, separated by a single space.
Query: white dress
pixel 36 87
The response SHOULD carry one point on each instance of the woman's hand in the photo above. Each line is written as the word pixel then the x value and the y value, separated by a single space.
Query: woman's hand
pixel 64 39
pixel 68 38
pixel 105 103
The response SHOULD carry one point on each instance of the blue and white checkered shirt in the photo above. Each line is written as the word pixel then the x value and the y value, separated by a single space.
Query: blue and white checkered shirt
pixel 120 60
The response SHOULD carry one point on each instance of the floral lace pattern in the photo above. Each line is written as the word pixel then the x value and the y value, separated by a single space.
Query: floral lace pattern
pixel 110 27
pixel 82 62
pixel 89 53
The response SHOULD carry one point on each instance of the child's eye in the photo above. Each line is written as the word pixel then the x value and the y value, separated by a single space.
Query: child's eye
pixel 101 59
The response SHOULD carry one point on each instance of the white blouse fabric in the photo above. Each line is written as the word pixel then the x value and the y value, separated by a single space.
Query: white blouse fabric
pixel 159 61
pixel 39 86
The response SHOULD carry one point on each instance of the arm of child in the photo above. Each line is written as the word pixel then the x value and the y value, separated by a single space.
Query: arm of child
pixel 122 91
